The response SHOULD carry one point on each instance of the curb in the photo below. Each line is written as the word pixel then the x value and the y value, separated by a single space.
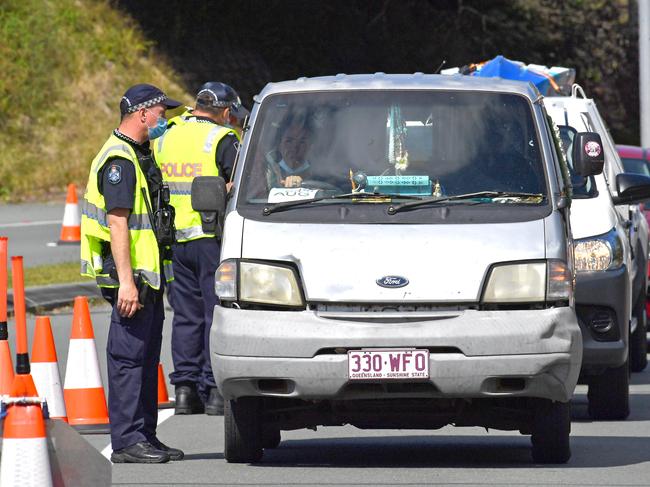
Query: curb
pixel 39 298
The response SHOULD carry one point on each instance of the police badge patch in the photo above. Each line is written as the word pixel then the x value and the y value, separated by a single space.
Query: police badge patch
pixel 114 174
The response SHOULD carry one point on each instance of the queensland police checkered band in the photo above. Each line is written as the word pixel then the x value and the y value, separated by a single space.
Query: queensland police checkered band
pixel 144 104
pixel 215 99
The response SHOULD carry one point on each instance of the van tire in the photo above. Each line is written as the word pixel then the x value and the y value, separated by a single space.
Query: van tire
pixel 243 430
pixel 551 431
pixel 609 394
pixel 638 339
pixel 271 437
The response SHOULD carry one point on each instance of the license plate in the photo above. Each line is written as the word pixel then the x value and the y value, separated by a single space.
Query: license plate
pixel 388 364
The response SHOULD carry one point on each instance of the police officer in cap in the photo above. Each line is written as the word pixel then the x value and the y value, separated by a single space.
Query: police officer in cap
pixel 124 213
pixel 199 143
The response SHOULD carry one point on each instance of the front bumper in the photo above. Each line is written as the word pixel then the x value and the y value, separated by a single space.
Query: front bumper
pixel 529 353
pixel 603 290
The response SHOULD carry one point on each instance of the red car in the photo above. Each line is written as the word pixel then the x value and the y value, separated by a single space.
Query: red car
pixel 637 160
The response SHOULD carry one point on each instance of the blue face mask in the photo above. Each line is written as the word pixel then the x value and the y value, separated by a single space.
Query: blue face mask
pixel 159 129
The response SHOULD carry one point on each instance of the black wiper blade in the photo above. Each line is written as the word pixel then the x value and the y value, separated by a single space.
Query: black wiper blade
pixel 346 196
pixel 467 196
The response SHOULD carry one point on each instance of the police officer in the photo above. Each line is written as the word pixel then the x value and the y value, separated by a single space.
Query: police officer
pixel 120 247
pixel 199 143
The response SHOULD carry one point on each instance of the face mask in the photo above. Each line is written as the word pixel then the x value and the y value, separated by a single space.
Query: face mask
pixel 159 129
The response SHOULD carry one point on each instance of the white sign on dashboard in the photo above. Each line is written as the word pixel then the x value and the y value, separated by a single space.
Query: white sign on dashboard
pixel 278 195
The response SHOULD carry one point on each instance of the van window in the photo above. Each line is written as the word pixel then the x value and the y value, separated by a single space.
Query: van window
pixel 416 142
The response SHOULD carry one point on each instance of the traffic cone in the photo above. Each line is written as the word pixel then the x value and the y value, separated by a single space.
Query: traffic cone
pixel 25 460
pixel 164 401
pixel 71 228
pixel 45 369
pixel 6 364
pixel 83 391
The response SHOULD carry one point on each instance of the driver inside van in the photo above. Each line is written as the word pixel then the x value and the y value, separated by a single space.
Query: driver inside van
pixel 287 165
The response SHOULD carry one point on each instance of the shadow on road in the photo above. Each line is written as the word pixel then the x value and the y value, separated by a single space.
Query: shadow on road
pixel 451 452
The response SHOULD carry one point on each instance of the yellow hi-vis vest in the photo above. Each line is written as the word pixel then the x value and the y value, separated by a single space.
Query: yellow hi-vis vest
pixel 185 151
pixel 95 234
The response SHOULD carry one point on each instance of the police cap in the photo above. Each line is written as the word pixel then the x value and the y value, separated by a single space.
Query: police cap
pixel 220 95
pixel 144 96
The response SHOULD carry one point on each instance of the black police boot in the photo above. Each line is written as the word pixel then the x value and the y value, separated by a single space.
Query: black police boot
pixel 214 406
pixel 142 452
pixel 174 453
pixel 188 400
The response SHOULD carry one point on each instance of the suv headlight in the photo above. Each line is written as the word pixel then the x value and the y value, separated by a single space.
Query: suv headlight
pixel 528 282
pixel 599 253
pixel 258 282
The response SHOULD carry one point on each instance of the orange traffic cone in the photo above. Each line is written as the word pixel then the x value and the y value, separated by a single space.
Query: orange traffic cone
pixel 25 460
pixel 71 228
pixel 45 369
pixel 164 401
pixel 83 391
pixel 6 364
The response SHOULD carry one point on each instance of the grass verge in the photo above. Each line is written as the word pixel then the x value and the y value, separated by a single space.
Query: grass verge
pixel 43 275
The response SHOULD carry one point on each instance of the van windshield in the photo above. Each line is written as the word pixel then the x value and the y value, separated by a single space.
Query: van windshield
pixel 405 144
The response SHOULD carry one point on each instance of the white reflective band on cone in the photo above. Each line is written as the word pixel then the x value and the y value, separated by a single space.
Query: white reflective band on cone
pixel 71 216
pixel 85 372
pixel 48 385
pixel 25 463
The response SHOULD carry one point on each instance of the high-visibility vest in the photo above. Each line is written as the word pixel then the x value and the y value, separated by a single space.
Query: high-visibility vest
pixel 95 233
pixel 185 151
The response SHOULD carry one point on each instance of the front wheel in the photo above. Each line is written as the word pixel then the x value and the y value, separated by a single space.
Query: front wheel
pixel 243 430
pixel 550 433
pixel 609 394
pixel 638 339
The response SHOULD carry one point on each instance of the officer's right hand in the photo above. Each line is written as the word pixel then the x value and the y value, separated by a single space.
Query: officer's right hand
pixel 127 300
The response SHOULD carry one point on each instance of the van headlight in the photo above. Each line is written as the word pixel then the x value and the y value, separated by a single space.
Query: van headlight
pixel 529 282
pixel 258 282
pixel 599 253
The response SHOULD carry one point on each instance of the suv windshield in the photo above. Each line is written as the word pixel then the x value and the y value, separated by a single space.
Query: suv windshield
pixel 401 144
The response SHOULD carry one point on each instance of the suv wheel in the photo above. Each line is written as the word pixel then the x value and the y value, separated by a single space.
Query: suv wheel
pixel 609 394
pixel 638 340
pixel 550 433
pixel 243 430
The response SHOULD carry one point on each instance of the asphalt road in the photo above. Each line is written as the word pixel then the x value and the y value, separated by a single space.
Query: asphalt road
pixel 31 227
pixel 604 453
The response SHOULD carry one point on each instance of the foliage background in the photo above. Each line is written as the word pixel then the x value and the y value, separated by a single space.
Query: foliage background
pixel 65 63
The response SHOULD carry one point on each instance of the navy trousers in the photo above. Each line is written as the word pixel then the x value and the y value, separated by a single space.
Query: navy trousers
pixel 133 353
pixel 193 299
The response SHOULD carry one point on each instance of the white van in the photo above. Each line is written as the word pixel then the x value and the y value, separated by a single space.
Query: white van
pixel 396 254
pixel 611 249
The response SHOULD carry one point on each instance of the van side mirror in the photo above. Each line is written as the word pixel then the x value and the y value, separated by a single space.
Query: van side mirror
pixel 209 199
pixel 632 188
pixel 588 154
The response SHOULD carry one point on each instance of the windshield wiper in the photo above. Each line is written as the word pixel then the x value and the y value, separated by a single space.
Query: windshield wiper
pixel 468 196
pixel 346 196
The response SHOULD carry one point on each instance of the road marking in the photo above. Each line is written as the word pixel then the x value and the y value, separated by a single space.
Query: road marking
pixel 163 415
pixel 30 224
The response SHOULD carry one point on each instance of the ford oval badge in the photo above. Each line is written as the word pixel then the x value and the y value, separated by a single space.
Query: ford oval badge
pixel 392 281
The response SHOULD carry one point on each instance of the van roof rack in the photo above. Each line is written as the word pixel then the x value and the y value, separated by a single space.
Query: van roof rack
pixel 576 90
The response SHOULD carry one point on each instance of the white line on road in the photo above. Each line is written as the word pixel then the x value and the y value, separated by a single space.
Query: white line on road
pixel 30 224
pixel 163 415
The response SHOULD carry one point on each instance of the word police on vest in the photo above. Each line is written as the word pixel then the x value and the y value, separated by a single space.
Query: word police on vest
pixel 182 169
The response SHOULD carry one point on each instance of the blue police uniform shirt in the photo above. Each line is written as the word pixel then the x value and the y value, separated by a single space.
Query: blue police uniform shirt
pixel 117 178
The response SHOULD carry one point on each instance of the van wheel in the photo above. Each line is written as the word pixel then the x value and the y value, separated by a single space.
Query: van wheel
pixel 638 339
pixel 551 430
pixel 243 430
pixel 609 394
pixel 271 437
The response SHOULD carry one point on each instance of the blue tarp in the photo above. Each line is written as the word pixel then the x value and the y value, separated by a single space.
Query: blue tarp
pixel 549 81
